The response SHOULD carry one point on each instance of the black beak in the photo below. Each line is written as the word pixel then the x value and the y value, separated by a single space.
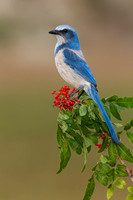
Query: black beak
pixel 55 32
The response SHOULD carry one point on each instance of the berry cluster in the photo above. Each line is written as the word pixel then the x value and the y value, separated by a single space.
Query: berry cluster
pixel 62 99
pixel 99 145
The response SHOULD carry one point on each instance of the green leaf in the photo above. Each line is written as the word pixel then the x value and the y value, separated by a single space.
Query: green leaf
pixel 88 149
pixel 114 111
pixel 76 108
pixel 110 191
pixel 120 167
pixel 131 122
pixel 85 157
pixel 82 110
pixel 104 144
pixel 76 136
pixel 130 189
pixel 91 114
pixel 112 98
pixel 129 197
pixel 112 152
pixel 126 102
pixel 78 119
pixel 103 168
pixel 89 189
pixel 127 126
pixel 87 122
pixel 94 168
pixel 103 100
pixel 103 159
pixel 59 136
pixel 120 183
pixel 111 175
pixel 90 140
pixel 62 116
pixel 65 155
pixel 118 125
pixel 64 126
pixel 87 142
pixel 71 123
pixel 101 178
pixel 109 161
pixel 107 108
pixel 120 170
pixel 85 130
pixel 75 146
pixel 124 153
pixel 130 136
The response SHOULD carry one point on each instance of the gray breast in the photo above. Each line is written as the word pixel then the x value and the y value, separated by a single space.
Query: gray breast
pixel 68 74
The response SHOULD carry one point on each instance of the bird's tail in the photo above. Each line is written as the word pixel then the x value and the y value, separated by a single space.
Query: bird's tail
pixel 94 95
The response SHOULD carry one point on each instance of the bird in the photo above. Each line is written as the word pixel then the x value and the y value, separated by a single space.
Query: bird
pixel 72 66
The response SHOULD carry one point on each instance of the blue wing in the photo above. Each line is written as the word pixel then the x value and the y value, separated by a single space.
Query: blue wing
pixel 79 66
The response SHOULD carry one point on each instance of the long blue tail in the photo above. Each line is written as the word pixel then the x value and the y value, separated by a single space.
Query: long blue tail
pixel 94 95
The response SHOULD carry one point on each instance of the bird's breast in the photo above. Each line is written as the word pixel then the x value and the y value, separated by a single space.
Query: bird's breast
pixel 66 72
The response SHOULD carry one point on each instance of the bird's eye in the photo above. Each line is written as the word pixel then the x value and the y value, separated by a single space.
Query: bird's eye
pixel 64 30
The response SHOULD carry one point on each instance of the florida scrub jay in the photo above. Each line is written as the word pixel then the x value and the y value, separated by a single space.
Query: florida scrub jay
pixel 73 68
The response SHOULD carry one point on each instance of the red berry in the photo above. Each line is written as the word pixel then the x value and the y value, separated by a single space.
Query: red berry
pixel 130 170
pixel 73 90
pixel 99 146
pixel 56 96
pixel 53 91
pixel 104 134
pixel 59 93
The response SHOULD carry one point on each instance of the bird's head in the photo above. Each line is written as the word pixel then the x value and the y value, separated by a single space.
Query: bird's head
pixel 65 34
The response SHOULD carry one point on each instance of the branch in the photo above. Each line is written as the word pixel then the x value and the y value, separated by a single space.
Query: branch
pixel 129 173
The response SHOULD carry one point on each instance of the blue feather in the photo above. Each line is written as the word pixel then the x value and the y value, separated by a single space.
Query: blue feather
pixel 94 95
pixel 78 65
pixel 74 46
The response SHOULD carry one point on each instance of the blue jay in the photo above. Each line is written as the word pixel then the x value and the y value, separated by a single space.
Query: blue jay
pixel 73 68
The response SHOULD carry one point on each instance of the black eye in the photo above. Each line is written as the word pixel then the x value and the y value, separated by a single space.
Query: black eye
pixel 64 30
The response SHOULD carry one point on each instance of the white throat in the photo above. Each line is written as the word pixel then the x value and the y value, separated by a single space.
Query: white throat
pixel 60 39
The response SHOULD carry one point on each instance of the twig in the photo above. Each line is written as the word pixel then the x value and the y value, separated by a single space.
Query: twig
pixel 129 173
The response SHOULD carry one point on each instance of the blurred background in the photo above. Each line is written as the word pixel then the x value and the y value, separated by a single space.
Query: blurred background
pixel 29 155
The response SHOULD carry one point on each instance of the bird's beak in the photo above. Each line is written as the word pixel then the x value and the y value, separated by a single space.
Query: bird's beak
pixel 55 32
